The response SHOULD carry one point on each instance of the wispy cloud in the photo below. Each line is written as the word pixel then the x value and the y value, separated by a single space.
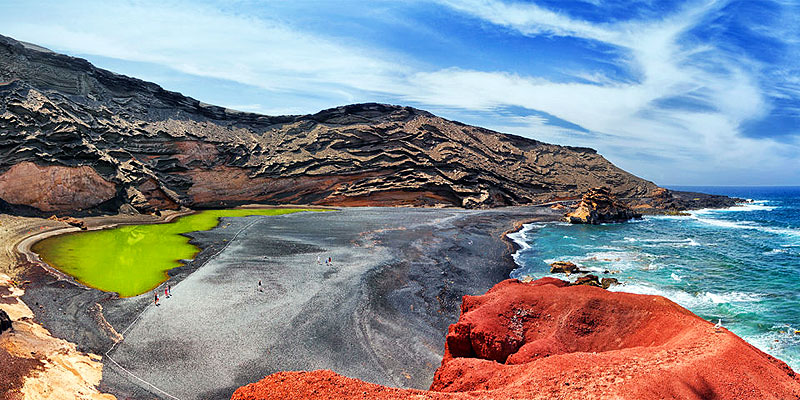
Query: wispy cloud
pixel 682 98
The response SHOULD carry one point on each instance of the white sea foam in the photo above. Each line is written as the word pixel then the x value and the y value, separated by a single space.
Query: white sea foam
pixel 692 301
pixel 775 251
pixel 670 242
pixel 676 277
pixel 748 225
pixel 521 239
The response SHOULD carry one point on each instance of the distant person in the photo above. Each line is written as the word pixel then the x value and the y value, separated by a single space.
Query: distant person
pixel 156 299
pixel 259 286
pixel 169 290
pixel 330 261
pixel 319 261
pixel 166 293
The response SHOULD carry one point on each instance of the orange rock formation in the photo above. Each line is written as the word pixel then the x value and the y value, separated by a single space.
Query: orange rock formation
pixel 548 340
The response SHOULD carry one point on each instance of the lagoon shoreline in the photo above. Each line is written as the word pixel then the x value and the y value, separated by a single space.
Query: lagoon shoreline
pixel 94 319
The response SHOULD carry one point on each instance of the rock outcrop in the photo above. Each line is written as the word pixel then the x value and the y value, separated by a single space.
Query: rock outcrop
pixel 599 206
pixel 77 138
pixel 549 340
pixel 5 321
pixel 564 267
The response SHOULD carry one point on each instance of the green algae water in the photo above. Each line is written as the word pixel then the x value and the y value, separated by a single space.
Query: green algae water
pixel 133 259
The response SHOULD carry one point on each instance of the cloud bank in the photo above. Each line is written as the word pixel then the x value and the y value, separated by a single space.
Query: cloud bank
pixel 698 92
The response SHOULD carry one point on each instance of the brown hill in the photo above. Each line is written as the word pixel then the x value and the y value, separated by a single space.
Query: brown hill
pixel 75 137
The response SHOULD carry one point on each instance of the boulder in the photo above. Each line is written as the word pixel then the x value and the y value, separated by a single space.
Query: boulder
pixel 127 209
pixel 564 267
pixel 5 321
pixel 587 280
pixel 600 206
pixel 606 283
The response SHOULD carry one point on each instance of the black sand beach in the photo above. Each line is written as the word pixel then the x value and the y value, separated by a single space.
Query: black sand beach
pixel 380 312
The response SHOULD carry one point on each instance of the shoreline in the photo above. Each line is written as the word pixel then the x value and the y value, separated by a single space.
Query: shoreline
pixel 85 330
pixel 88 332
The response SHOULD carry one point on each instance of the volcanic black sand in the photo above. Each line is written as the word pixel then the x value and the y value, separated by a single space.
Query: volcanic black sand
pixel 380 312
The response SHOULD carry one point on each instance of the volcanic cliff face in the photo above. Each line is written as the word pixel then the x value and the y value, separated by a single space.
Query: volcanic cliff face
pixel 548 340
pixel 75 137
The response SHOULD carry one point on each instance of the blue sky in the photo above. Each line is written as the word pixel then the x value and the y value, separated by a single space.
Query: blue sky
pixel 679 92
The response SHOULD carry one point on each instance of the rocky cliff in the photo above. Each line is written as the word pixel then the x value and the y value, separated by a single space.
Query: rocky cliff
pixel 549 340
pixel 74 137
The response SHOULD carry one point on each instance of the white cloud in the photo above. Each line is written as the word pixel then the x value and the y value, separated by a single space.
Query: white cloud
pixel 284 59
pixel 205 41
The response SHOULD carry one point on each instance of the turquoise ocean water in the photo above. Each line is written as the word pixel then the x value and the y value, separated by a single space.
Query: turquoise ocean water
pixel 741 265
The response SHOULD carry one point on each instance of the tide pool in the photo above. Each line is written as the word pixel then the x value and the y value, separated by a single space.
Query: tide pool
pixel 740 265
pixel 133 259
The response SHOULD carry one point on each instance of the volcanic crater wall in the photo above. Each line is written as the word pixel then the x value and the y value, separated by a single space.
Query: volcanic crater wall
pixel 68 127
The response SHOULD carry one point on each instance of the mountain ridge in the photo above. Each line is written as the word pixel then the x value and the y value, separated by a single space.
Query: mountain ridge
pixel 156 149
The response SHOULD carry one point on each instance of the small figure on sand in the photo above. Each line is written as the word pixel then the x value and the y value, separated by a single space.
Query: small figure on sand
pixel 718 326
pixel 166 293
pixel 156 299
pixel 319 261
pixel 169 291
pixel 259 286
pixel 329 261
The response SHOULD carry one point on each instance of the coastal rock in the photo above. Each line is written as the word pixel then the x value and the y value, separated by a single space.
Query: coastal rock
pixel 5 321
pixel 549 340
pixel 564 267
pixel 606 283
pixel 587 280
pixel 94 140
pixel 600 206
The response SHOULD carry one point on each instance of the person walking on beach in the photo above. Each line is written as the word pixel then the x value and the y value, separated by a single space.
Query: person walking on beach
pixel 169 291
pixel 166 293
pixel 319 261
pixel 156 299
pixel 259 286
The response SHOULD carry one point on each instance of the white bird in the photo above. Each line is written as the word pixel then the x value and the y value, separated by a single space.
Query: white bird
pixel 718 326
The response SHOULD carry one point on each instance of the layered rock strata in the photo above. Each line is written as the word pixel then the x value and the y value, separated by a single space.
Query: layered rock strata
pixel 549 340
pixel 75 138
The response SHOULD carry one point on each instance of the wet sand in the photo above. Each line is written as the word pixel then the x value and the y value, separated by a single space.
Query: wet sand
pixel 379 313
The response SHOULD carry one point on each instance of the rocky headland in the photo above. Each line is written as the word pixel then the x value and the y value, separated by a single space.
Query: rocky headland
pixel 549 340
pixel 599 206
pixel 77 139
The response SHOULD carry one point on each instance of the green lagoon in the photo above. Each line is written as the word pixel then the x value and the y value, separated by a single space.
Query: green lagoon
pixel 133 259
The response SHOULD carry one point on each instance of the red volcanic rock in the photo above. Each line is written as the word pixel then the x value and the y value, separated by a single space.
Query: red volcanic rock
pixel 54 188
pixel 549 340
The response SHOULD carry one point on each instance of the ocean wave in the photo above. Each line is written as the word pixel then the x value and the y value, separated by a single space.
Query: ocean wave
pixel 775 251
pixel 521 239
pixel 759 205
pixel 692 301
pixel 670 242
pixel 781 341
pixel 748 225
pixel 753 205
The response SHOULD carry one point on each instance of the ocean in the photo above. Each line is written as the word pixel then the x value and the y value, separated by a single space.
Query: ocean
pixel 739 265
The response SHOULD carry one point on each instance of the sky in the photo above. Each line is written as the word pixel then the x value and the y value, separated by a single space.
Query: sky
pixel 677 92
